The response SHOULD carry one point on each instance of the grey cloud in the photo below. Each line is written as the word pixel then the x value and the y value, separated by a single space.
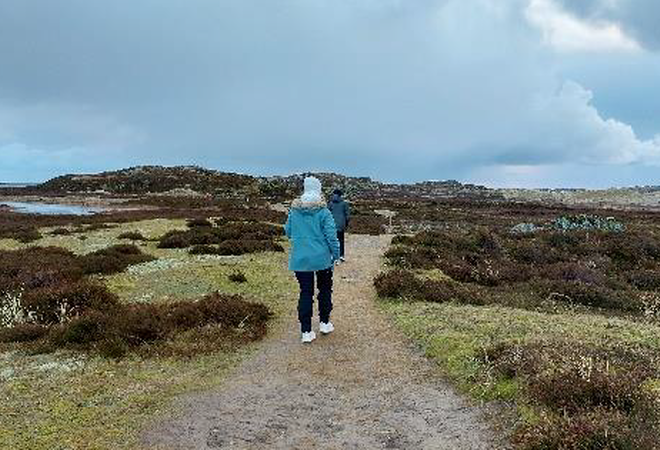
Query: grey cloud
pixel 638 18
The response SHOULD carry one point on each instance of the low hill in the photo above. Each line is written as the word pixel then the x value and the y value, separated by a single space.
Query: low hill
pixel 149 179
pixel 192 179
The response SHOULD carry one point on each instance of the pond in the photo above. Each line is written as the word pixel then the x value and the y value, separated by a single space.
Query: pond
pixel 51 208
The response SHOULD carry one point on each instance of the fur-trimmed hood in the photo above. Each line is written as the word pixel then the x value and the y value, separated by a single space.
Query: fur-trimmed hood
pixel 300 204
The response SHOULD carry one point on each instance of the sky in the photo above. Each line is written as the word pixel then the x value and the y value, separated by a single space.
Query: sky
pixel 506 93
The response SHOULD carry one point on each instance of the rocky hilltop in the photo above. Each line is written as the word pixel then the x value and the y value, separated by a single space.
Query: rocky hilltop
pixel 148 179
pixel 191 180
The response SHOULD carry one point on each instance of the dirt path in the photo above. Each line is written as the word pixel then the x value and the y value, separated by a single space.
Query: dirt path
pixel 362 387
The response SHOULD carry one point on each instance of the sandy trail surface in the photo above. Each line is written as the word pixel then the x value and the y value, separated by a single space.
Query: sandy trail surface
pixel 362 387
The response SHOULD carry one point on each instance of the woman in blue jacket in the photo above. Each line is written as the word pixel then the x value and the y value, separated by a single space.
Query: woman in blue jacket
pixel 315 249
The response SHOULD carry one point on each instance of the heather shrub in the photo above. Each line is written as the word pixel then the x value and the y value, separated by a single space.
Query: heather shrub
pixel 236 247
pixel 24 332
pixel 117 328
pixel 646 280
pixel 23 234
pixel 85 329
pixel 588 397
pixel 238 230
pixel 140 324
pixel 486 272
pixel 58 303
pixel 202 236
pixel 412 257
pixel 99 226
pixel 587 386
pixel 60 232
pixel 602 429
pixel 198 222
pixel 626 256
pixel 372 224
pixel 35 267
pixel 237 277
pixel 487 241
pixel 405 285
pixel 46 285
pixel 132 235
pixel 594 268
pixel 230 238
pixel 573 272
pixel 396 284
pixel 204 250
pixel 113 259
pixel 397 255
pixel 175 239
pixel 432 239
pixel 590 295
pixel 532 251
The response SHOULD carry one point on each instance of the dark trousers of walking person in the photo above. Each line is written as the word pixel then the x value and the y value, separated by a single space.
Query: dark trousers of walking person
pixel 340 236
pixel 305 304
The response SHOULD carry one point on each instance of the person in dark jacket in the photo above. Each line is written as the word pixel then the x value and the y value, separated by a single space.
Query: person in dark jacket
pixel 315 249
pixel 341 212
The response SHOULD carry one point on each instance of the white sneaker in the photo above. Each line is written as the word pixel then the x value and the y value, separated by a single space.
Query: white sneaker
pixel 342 259
pixel 308 337
pixel 326 328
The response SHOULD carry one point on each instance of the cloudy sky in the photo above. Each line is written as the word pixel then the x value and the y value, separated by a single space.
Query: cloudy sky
pixel 499 92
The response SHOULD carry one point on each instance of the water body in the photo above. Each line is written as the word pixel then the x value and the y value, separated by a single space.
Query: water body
pixel 52 208
pixel 17 185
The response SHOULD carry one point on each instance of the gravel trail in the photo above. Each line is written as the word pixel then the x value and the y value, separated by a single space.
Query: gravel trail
pixel 362 387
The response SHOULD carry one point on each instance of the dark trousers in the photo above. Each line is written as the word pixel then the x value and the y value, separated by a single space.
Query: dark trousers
pixel 340 236
pixel 306 301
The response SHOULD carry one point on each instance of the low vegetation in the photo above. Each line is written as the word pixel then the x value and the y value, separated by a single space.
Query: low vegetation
pixel 590 385
pixel 224 238
pixel 602 270
pixel 112 344
pixel 27 228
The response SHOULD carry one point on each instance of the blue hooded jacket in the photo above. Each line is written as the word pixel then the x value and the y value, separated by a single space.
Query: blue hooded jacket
pixel 312 232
